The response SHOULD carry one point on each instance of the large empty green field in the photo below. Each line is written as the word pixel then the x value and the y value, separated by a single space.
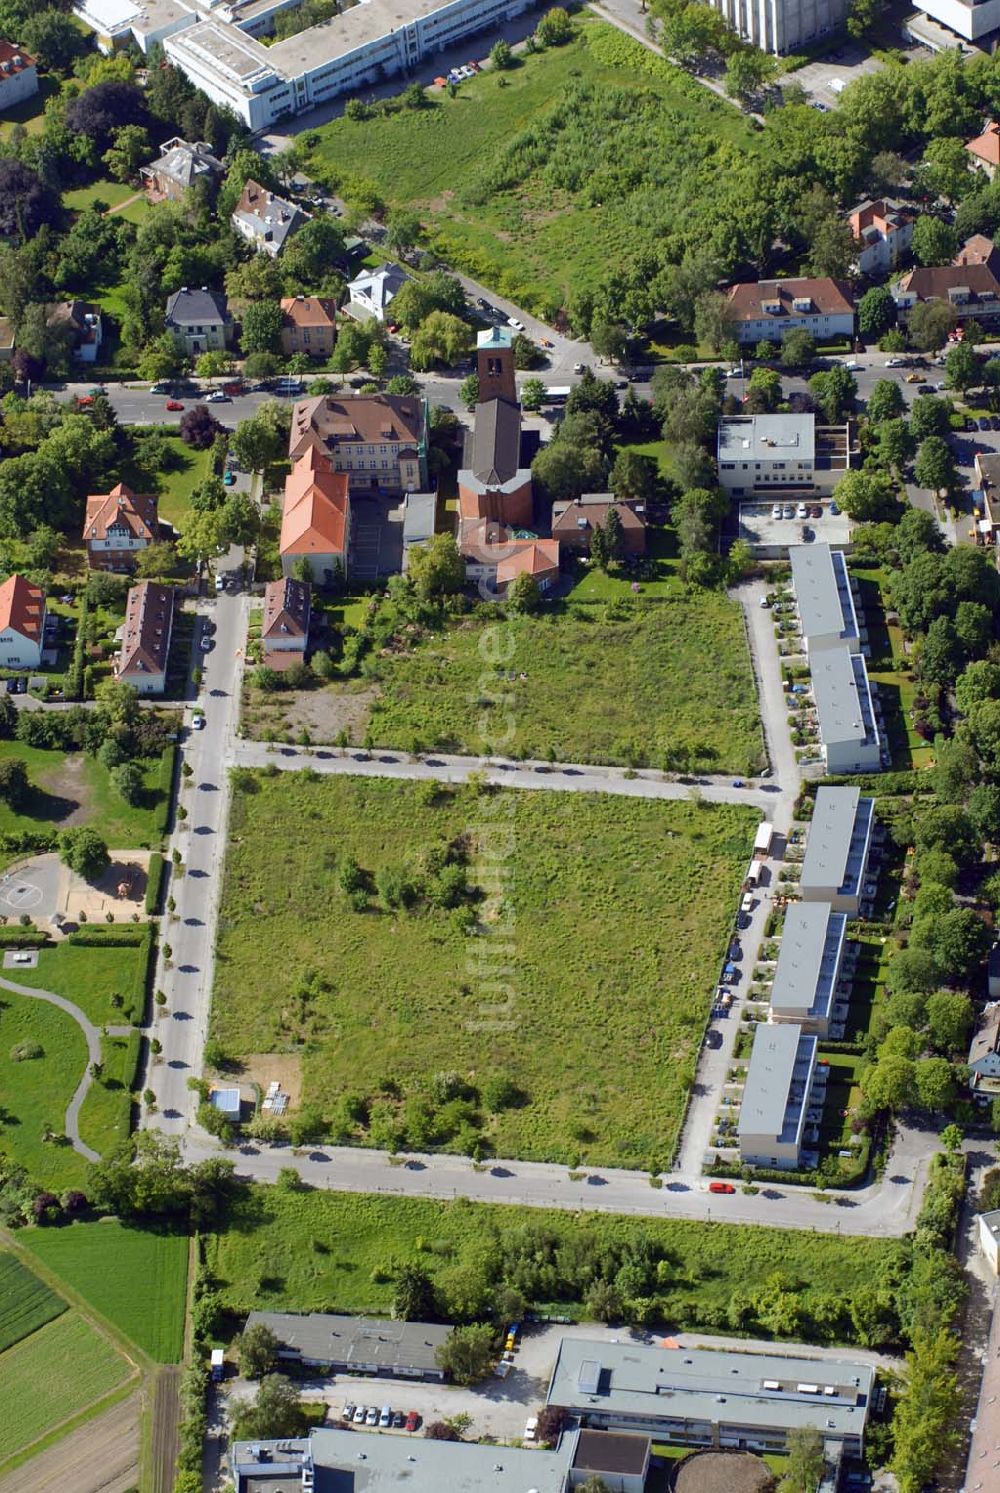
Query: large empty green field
pixel 606 917
pixel 26 1303
pixel 540 179
pixel 322 1251
pixel 136 1278
pixel 58 1371
pixel 662 683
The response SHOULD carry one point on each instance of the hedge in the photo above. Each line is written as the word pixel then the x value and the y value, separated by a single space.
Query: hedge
pixel 18 938
pixel 885 784
pixel 166 789
pixel 154 883
pixel 29 841
pixel 74 674
pixel 109 937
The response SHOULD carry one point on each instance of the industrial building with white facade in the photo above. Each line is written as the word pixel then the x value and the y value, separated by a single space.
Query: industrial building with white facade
pixel 216 45
pixel 703 1397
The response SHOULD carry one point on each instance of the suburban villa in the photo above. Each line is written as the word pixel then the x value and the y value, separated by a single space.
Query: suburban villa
pixel 118 526
pixel 22 623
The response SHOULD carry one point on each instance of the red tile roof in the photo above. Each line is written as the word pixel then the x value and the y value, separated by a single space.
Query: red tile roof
pixel 827 298
pixel 987 145
pixel 309 311
pixel 135 512
pixel 22 607
pixel 365 418
pixel 10 49
pixel 286 609
pixel 315 516
pixel 149 614
pixel 537 557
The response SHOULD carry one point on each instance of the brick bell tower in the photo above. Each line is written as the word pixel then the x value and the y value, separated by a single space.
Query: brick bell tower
pixel 495 365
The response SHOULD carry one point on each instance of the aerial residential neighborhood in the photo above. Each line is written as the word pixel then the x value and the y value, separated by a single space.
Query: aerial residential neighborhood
pixel 499 747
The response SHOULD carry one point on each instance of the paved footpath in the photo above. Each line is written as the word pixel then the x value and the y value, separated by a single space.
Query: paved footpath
pixel 92 1037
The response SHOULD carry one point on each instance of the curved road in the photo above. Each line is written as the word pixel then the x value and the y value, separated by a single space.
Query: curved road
pixel 93 1040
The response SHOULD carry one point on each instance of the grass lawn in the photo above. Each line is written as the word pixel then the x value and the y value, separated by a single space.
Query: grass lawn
pixel 618 913
pixel 36 1091
pixel 136 1278
pixel 627 681
pixel 537 188
pixel 26 1303
pixel 111 193
pixel 106 1116
pixel 90 976
pixel 319 1251
pixel 183 471
pixel 63 1368
pixel 77 789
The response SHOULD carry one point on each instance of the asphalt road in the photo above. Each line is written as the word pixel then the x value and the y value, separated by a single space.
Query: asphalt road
pixel 186 979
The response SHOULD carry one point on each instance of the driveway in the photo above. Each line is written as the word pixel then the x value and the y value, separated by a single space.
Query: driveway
pixel 376 536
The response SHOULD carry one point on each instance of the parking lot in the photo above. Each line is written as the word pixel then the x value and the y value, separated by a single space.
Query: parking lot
pixel 770 537
pixel 377 536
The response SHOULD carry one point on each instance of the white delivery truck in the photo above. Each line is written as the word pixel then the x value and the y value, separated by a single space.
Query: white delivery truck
pixel 762 840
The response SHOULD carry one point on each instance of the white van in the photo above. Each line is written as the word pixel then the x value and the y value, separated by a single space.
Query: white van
pixel 747 902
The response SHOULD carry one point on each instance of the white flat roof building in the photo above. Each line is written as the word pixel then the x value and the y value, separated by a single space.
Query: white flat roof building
pixel 218 51
pixel 970 21
pixel 823 594
pixel 704 1397
pixel 776 1096
pixel 838 844
pixel 782 26
pixel 809 966
pixel 845 711
pixel 766 450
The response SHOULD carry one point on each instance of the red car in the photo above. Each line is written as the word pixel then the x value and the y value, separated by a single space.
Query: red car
pixel 412 1421
pixel 174 404
pixel 721 1187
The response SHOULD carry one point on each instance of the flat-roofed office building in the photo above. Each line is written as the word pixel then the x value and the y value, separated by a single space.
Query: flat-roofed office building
pixel 695 1396
pixel 810 966
pixel 838 846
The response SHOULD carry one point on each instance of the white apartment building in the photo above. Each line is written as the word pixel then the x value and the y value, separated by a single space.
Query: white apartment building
pixel 781 26
pixel 763 455
pixel 845 711
pixel 215 45
pixel 823 595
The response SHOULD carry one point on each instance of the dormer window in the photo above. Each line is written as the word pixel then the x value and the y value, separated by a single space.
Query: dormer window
pixel 802 303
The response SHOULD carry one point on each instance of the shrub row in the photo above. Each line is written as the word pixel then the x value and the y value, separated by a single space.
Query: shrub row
pixel 885 784
pixel 74 674
pixel 154 883
pixel 109 937
pixel 29 841
pixel 18 938
pixel 166 789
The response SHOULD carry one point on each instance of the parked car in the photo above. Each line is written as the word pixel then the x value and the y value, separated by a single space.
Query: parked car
pixel 217 396
pixel 713 1039
pixel 220 582
pixel 518 326
pixel 914 378
pixel 531 1429
pixel 577 367
pixel 802 511
pixel 174 404
pixel 834 508
pixel 385 1418
pixel 776 511
pixel 348 1412
pixel 852 367
pixel 359 1415
pixel 788 511
pixel 229 478
pixel 726 1187
pixel 412 1421
pixel 197 721
pixel 206 644
pixel 895 362
pixel 398 1420
pixel 371 1419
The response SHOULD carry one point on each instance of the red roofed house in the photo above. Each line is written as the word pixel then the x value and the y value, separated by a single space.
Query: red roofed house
pixel 118 525
pixel 884 231
pixel 145 648
pixel 379 440
pixel 984 150
pixel 22 623
pixel 316 519
pixel 308 325
pixel 493 557
pixel 767 310
pixel 970 285
pixel 18 75
pixel 574 522
pixel 285 626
